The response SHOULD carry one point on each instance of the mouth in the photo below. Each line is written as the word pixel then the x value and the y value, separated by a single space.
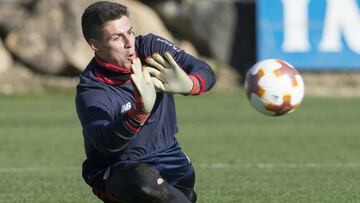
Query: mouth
pixel 131 56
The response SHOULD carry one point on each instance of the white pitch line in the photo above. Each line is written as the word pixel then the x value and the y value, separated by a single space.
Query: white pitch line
pixel 38 169
pixel 279 165
pixel 49 169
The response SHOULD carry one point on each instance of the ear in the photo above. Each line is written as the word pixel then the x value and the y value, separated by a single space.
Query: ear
pixel 94 44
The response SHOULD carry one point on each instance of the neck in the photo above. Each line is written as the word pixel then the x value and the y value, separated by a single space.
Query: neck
pixel 110 73
pixel 110 66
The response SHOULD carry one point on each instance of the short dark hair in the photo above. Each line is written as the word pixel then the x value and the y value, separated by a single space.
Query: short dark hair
pixel 97 14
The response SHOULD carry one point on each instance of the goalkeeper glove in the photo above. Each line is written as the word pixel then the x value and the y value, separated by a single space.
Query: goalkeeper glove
pixel 169 77
pixel 145 96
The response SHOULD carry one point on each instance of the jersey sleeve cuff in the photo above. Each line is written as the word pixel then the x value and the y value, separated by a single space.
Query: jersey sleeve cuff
pixel 198 85
pixel 134 120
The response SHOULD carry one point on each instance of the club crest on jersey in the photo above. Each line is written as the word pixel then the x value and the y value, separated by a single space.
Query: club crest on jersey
pixel 125 107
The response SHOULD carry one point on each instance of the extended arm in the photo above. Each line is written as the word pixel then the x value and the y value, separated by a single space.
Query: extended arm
pixel 170 65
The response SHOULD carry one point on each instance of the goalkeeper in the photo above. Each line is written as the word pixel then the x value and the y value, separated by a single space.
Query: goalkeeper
pixel 126 107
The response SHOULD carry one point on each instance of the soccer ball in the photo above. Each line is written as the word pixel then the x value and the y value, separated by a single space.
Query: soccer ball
pixel 274 87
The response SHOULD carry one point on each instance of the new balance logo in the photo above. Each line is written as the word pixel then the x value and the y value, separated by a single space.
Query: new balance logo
pixel 125 107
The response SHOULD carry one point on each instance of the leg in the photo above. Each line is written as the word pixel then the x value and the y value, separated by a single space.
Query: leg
pixel 186 185
pixel 140 183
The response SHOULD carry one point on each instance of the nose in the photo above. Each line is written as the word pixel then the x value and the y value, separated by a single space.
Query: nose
pixel 129 42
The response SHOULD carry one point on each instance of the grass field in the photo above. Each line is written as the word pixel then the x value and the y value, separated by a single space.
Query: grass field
pixel 311 155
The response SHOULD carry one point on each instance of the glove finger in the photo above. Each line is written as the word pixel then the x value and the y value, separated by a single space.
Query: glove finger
pixel 154 63
pixel 137 62
pixel 154 72
pixel 136 67
pixel 158 58
pixel 157 83
pixel 170 59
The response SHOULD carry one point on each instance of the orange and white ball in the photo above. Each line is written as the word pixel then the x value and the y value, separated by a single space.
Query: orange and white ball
pixel 274 87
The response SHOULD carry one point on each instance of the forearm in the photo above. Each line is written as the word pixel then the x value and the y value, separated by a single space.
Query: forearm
pixel 108 137
pixel 124 130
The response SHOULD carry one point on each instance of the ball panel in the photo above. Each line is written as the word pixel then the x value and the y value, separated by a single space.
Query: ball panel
pixel 298 92
pixel 258 104
pixel 274 94
pixel 287 70
pixel 252 84
pixel 282 109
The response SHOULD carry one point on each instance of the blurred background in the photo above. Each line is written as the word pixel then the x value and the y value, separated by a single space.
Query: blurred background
pixel 42 47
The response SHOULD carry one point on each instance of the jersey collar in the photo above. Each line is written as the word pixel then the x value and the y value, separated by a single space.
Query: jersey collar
pixel 112 67
pixel 111 74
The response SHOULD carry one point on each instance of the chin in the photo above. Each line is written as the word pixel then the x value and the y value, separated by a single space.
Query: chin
pixel 127 65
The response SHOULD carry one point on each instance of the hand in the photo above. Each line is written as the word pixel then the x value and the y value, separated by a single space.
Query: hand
pixel 168 76
pixel 145 95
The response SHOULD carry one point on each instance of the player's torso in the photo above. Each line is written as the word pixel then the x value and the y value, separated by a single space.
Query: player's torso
pixel 159 130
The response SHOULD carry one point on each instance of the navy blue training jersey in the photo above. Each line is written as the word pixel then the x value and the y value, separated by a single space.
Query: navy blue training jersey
pixel 101 108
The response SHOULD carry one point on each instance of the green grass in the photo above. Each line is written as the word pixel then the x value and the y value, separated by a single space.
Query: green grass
pixel 311 155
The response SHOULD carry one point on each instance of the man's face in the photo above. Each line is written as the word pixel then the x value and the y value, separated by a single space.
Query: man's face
pixel 118 42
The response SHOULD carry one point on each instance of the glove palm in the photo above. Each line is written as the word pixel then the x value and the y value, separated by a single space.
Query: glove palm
pixel 169 77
